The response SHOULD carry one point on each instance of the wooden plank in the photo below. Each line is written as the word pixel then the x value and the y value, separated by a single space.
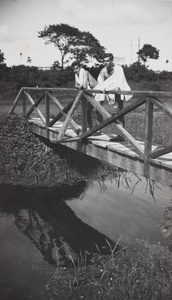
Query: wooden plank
pixel 47 113
pixel 81 145
pixel 47 89
pixel 157 94
pixel 35 105
pixel 61 108
pixel 84 115
pixel 132 164
pixel 165 109
pixel 161 152
pixel 134 93
pixel 66 109
pixel 24 106
pixel 16 101
pixel 96 105
pixel 111 119
pixel 148 135
pixel 160 171
pixel 69 116
pixel 35 108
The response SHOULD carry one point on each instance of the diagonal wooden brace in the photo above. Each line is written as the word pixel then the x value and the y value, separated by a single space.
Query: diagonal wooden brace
pixel 74 125
pixel 28 96
pixel 110 119
pixel 69 116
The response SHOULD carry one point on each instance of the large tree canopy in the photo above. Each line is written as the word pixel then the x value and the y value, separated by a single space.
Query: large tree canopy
pixel 148 51
pixel 73 43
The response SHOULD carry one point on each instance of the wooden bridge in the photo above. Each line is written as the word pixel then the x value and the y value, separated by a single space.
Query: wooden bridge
pixel 64 122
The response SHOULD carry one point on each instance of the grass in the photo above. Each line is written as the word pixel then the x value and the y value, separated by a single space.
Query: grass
pixel 28 161
pixel 138 271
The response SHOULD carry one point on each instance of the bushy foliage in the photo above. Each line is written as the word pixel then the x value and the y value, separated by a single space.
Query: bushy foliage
pixel 12 79
pixel 138 72
pixel 165 75
pixel 2 58
pixel 28 161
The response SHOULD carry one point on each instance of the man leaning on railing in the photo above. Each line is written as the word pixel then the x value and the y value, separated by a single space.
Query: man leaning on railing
pixel 112 77
pixel 84 80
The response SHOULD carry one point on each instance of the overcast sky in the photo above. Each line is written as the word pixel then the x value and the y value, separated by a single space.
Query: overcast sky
pixel 118 25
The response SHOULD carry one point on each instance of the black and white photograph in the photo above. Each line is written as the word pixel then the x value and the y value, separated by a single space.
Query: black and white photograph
pixel 85 150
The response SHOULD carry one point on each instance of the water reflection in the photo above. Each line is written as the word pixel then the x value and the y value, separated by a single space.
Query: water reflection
pixel 126 210
pixel 43 216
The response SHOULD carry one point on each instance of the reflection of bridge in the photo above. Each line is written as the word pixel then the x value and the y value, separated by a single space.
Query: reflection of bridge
pixel 53 229
pixel 59 126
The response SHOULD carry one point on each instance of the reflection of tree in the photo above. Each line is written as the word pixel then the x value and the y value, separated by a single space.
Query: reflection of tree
pixel 43 216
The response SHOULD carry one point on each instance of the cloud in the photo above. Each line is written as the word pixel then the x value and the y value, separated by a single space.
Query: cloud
pixel 111 13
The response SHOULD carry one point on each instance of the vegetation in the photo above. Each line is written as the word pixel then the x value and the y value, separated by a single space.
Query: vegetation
pixel 12 79
pixel 138 271
pixel 27 161
pixel 2 58
pixel 148 51
pixel 72 43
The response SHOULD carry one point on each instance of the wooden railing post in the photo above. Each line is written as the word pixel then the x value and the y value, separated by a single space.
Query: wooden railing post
pixel 47 114
pixel 16 101
pixel 70 115
pixel 24 106
pixel 84 114
pixel 84 105
pixel 148 135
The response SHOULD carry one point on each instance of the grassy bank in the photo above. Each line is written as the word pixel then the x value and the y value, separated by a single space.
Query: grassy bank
pixel 140 271
pixel 27 161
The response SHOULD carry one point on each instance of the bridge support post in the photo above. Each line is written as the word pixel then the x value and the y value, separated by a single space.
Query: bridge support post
pixel 24 106
pixel 148 136
pixel 47 113
pixel 81 146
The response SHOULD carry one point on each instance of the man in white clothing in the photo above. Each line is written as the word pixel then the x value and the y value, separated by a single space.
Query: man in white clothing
pixel 84 80
pixel 112 77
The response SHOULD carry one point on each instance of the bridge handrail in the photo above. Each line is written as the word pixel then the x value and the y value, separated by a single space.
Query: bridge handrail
pixel 151 98
pixel 117 92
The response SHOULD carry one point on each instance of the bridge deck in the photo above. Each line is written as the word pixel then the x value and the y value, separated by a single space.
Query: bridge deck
pixel 120 154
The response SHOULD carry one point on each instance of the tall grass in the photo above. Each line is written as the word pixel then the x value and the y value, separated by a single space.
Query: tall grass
pixel 138 271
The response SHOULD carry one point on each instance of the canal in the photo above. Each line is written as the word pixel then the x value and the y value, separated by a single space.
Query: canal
pixel 41 227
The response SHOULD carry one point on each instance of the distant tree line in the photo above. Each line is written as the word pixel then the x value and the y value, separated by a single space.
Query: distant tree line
pixel 72 44
pixel 12 79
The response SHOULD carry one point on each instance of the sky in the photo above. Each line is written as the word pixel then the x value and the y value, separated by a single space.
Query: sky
pixel 122 27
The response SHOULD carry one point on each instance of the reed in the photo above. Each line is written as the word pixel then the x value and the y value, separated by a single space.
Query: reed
pixel 139 271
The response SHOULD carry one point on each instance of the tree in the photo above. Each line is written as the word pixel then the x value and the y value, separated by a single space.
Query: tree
pixel 73 43
pixel 148 51
pixel 2 58
pixel 56 66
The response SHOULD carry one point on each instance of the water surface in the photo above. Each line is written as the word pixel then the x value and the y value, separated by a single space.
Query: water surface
pixel 40 228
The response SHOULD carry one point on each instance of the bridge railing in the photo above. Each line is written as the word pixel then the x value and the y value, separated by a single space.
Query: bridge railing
pixel 149 98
